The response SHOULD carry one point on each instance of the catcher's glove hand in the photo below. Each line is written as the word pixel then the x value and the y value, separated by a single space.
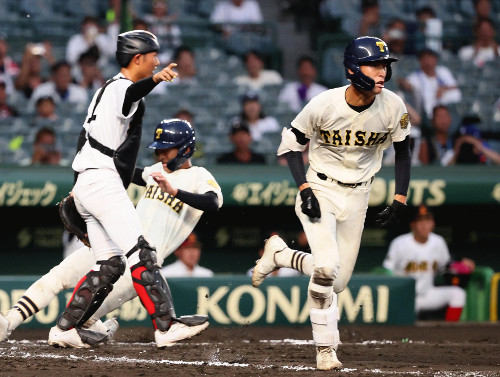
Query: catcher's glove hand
pixel 72 219
pixel 389 217
pixel 310 205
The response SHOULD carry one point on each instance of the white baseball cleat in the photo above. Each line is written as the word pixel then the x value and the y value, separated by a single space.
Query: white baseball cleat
pixel 4 328
pixel 178 331
pixel 69 338
pixel 267 264
pixel 326 358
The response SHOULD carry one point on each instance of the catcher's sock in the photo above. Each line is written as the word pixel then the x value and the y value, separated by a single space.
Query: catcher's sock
pixel 295 259
pixel 14 317
pixel 453 314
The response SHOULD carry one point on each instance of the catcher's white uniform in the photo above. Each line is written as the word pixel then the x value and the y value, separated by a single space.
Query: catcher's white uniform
pixel 421 261
pixel 166 222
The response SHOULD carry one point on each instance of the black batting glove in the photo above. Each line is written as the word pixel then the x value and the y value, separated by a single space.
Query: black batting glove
pixel 310 205
pixel 389 217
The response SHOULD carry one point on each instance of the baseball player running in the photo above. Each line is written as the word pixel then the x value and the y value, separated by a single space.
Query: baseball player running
pixel 348 129
pixel 177 193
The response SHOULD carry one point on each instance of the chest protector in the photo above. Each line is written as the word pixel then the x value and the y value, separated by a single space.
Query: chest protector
pixel 125 156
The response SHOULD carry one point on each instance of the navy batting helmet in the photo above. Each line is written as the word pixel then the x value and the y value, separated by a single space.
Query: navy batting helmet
pixel 366 50
pixel 135 42
pixel 175 133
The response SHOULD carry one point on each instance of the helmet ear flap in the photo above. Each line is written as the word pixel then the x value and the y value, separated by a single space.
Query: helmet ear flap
pixel 358 78
pixel 388 75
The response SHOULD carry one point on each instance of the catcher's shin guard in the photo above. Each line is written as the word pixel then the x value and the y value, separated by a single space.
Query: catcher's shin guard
pixel 151 286
pixel 90 292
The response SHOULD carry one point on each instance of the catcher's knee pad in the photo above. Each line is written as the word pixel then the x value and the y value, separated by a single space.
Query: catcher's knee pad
pixel 151 286
pixel 90 292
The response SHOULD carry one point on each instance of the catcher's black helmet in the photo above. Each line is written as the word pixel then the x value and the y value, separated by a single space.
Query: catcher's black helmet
pixel 135 42
pixel 175 133
pixel 364 50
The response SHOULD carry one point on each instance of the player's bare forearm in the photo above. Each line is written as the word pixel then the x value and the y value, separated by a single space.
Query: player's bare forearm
pixel 166 74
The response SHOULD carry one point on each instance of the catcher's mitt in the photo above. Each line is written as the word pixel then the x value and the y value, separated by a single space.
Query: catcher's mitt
pixel 72 219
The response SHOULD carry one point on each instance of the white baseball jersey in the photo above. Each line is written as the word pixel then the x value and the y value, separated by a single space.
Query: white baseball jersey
pixel 346 145
pixel 167 221
pixel 421 261
pixel 180 270
pixel 109 126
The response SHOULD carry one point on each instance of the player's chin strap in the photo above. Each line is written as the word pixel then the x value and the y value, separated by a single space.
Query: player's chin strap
pixel 151 286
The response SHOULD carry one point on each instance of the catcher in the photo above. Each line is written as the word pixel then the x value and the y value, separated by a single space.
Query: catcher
pixel 177 193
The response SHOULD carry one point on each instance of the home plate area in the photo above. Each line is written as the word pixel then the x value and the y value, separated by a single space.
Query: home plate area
pixel 427 349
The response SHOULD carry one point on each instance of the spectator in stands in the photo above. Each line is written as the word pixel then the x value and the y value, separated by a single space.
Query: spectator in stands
pixel 253 115
pixel 427 32
pixel 482 9
pixel 90 35
pixel 431 84
pixel 469 146
pixel 437 146
pixel 395 35
pixel 89 75
pixel 45 151
pixel 422 254
pixel 484 48
pixel 296 94
pixel 367 22
pixel 257 76
pixel 6 110
pixel 30 75
pixel 186 66
pixel 188 257
pixel 8 67
pixel 235 12
pixel 162 24
pixel 45 111
pixel 242 153
pixel 61 87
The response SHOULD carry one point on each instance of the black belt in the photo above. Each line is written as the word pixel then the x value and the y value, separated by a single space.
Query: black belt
pixel 324 177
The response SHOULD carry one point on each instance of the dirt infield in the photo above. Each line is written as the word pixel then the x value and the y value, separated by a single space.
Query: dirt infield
pixel 428 349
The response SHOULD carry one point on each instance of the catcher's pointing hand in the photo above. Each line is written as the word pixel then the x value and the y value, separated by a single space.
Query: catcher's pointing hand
pixel 166 74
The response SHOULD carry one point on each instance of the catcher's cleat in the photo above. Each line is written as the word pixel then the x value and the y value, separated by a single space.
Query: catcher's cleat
pixel 326 358
pixel 4 328
pixel 178 331
pixel 69 338
pixel 267 264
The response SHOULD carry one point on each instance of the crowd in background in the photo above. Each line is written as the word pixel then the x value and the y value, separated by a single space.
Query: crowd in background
pixel 45 91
